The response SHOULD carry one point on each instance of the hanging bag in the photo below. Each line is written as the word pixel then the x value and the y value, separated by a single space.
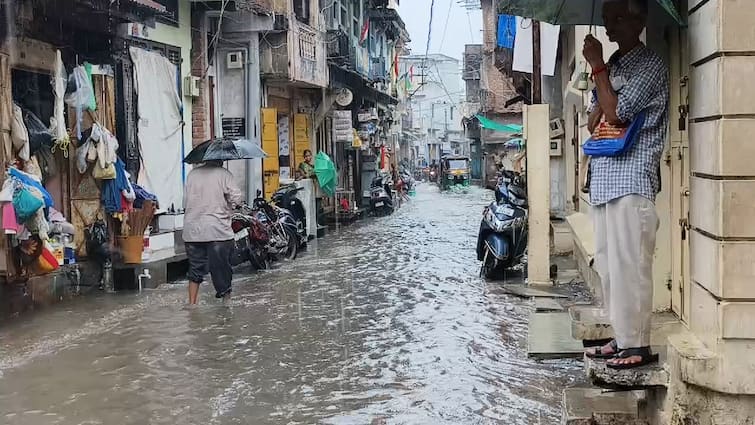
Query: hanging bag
pixel 107 173
pixel 612 140
pixel 25 203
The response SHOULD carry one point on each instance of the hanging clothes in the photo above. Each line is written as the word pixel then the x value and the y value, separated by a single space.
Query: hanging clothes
pixel 506 31
pixel 112 189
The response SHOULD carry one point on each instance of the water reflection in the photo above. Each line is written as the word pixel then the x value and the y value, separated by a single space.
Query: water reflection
pixel 383 322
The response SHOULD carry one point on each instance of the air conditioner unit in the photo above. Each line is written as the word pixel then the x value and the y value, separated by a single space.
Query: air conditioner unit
pixel 557 128
pixel 556 149
pixel 235 60
pixel 191 86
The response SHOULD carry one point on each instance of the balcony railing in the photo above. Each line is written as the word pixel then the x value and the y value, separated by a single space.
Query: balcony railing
pixel 309 62
pixel 297 55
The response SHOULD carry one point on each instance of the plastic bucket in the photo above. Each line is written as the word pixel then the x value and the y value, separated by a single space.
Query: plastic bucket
pixel 131 248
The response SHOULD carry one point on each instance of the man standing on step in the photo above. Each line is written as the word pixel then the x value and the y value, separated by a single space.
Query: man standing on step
pixel 623 187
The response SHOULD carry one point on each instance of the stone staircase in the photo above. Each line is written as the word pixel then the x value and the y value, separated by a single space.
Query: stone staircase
pixel 618 395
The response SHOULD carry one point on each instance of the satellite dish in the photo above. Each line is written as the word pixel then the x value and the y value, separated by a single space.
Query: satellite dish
pixel 344 97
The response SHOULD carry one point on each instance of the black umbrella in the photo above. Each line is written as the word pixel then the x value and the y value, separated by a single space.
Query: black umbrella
pixel 224 149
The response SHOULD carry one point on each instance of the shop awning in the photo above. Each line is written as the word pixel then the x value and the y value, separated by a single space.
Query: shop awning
pixel 341 77
pixel 494 126
pixel 150 4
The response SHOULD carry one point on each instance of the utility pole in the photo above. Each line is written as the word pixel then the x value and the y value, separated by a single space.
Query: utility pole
pixel 446 139
pixel 537 78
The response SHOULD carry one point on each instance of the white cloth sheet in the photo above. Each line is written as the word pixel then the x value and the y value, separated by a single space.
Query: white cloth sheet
pixel 159 127
pixel 523 47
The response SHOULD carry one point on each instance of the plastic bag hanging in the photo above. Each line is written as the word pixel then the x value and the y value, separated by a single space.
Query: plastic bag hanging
pixel 80 95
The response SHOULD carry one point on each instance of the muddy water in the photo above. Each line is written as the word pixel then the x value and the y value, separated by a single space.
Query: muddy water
pixel 382 322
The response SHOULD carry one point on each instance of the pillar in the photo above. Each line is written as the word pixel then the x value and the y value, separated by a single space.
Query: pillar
pixel 722 198
pixel 537 136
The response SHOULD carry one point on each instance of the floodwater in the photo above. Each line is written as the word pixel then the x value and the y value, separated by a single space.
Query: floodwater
pixel 384 322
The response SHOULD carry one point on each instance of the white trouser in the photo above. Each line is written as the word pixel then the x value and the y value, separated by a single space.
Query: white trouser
pixel 625 231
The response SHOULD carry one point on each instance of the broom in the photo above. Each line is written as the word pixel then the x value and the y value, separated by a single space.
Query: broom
pixel 138 220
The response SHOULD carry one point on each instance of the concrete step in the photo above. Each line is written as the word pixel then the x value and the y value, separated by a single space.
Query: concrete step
pixel 593 406
pixel 652 375
pixel 549 338
pixel 588 323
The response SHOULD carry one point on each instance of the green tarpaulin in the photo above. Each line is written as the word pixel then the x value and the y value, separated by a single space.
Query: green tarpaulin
pixel 492 125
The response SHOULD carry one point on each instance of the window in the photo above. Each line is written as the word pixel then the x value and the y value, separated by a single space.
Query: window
pixel 170 17
pixel 301 10
pixel 457 164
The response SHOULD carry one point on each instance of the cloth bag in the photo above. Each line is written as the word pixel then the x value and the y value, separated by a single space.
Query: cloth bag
pixel 107 173
pixel 19 134
pixel 26 204
pixel 612 140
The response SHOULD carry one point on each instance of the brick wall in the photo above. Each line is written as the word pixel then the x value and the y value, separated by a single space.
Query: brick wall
pixel 496 85
pixel 200 113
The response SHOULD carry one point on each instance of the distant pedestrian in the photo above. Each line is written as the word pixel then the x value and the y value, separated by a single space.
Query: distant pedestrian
pixel 209 199
pixel 306 168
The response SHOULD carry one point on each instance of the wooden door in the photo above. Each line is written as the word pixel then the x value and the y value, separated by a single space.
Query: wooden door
pixel 86 205
pixel 301 139
pixel 270 165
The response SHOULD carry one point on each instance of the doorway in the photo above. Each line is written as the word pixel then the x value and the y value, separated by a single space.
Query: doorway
pixel 680 172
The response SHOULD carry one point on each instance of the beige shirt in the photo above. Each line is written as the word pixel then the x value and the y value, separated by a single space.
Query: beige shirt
pixel 209 199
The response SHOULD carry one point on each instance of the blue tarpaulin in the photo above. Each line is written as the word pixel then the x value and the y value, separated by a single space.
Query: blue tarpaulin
pixel 506 31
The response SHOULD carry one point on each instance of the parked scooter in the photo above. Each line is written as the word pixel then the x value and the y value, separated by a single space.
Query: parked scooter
pixel 285 198
pixel 381 195
pixel 408 180
pixel 281 225
pixel 251 239
pixel 502 239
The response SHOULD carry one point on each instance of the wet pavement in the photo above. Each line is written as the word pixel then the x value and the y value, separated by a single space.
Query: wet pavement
pixel 385 321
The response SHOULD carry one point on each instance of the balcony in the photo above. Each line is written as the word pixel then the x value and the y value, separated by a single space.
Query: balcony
pixel 378 69
pixel 297 55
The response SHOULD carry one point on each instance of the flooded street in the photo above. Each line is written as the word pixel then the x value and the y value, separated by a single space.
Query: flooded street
pixel 385 321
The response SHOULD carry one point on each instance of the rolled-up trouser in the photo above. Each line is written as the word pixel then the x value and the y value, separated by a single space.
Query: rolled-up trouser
pixel 625 231
pixel 214 257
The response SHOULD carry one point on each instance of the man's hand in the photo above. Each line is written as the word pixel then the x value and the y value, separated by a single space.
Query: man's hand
pixel 593 52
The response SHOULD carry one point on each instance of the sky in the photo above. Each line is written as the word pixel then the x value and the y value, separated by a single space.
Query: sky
pixel 453 26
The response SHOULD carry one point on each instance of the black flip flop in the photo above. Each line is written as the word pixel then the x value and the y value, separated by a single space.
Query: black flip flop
pixel 599 354
pixel 642 352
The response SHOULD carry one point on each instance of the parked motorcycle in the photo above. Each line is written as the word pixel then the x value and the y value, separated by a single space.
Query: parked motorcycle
pixel 381 195
pixel 251 239
pixel 281 225
pixel 285 198
pixel 502 239
pixel 408 180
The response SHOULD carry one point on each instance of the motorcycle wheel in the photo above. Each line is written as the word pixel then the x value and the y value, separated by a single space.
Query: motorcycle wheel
pixel 292 244
pixel 490 268
pixel 259 260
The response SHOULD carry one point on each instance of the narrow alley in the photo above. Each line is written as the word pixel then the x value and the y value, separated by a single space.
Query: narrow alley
pixel 385 321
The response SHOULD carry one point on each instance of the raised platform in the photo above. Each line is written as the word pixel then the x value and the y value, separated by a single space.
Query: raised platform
pixel 163 266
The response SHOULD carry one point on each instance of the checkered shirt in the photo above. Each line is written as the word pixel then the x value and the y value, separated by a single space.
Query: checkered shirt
pixel 640 78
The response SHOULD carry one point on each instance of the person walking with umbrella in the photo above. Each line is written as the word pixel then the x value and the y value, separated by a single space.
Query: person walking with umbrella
pixel 210 197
